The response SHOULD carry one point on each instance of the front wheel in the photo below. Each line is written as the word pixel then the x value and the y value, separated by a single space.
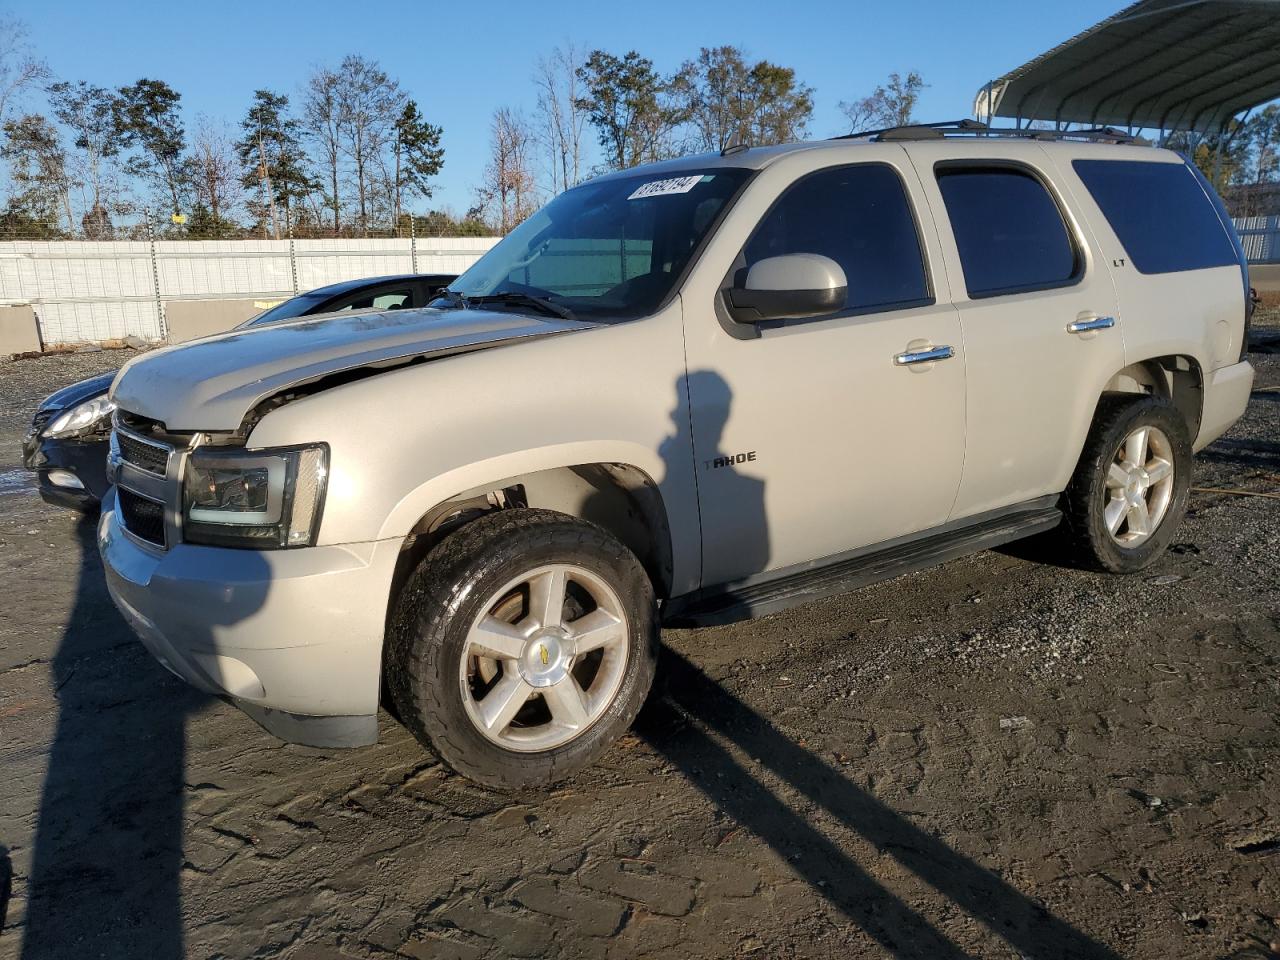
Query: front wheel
pixel 522 647
pixel 1129 490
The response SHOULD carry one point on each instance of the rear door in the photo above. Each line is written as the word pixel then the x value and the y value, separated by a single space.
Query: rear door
pixel 1038 312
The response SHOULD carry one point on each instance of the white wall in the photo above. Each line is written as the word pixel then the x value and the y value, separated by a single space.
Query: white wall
pixel 86 291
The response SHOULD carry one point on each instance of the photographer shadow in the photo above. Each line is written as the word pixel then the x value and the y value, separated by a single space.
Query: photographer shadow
pixel 105 876
pixel 702 729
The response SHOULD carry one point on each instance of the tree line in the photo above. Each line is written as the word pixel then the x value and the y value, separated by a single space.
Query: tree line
pixel 351 152
pixel 348 154
pixel 638 114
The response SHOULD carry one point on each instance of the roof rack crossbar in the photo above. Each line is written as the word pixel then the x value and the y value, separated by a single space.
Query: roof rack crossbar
pixel 977 129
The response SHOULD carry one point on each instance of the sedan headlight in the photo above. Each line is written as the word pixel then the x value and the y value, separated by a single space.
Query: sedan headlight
pixel 91 416
pixel 263 499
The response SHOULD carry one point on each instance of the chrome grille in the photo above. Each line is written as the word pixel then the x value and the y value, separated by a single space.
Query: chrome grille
pixel 141 517
pixel 151 457
pixel 139 464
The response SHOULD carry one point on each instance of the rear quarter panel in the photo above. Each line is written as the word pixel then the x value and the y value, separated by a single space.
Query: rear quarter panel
pixel 1196 313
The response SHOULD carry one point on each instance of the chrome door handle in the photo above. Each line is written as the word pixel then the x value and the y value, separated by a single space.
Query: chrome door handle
pixel 1097 323
pixel 924 356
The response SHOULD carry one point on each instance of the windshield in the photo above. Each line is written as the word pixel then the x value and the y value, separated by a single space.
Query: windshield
pixel 293 307
pixel 610 250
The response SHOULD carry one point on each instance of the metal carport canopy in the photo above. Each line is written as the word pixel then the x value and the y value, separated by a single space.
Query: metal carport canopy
pixel 1158 64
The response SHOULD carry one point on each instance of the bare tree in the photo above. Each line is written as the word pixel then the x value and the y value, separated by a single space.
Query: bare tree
pixel 322 122
pixel 889 105
pixel 215 169
pixel 561 118
pixel 89 112
pixel 507 190
pixel 369 104
pixel 20 69
pixel 859 114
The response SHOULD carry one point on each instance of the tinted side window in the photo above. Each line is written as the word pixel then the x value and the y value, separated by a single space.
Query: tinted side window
pixel 1008 229
pixel 1160 213
pixel 859 217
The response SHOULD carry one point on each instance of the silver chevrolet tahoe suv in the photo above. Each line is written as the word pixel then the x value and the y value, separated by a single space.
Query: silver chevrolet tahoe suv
pixel 684 393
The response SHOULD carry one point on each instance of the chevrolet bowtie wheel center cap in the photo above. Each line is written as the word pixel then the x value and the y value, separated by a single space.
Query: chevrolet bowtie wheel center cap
pixel 545 659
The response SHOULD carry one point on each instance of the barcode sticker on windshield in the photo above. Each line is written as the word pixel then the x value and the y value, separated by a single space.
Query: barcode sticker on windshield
pixel 660 188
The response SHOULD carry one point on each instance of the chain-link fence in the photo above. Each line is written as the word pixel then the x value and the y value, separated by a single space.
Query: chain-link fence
pixel 95 290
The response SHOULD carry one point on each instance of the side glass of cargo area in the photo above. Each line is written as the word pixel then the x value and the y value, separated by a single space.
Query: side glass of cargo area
pixel 1160 214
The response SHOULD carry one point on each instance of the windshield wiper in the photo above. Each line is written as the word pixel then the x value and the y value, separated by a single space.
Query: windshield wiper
pixel 527 299
pixel 452 297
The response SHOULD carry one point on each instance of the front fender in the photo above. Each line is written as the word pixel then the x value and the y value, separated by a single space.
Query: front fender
pixel 405 441
pixel 496 472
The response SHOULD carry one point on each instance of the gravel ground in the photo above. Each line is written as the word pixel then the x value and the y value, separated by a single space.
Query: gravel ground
pixel 995 758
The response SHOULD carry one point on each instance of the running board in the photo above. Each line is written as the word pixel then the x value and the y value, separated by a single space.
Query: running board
pixel 778 590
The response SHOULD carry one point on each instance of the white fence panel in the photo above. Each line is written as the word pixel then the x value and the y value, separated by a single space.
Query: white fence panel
pixel 1260 237
pixel 86 291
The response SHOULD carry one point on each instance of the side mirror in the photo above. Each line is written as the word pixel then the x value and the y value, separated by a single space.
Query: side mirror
pixel 790 287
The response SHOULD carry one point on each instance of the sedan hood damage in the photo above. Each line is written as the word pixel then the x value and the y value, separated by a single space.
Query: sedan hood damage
pixel 213 384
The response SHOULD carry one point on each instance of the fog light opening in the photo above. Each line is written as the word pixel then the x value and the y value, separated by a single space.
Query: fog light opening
pixel 65 478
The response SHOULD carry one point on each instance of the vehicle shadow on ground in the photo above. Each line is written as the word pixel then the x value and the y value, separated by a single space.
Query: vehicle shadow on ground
pixel 6 884
pixel 105 870
pixel 696 724
pixel 1246 453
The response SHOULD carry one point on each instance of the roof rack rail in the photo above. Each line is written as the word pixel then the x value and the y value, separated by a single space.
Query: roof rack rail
pixel 976 129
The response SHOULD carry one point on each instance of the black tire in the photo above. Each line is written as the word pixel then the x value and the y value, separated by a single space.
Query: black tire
pixel 444 596
pixel 1084 530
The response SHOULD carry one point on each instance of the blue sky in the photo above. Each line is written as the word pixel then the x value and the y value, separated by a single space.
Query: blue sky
pixel 462 60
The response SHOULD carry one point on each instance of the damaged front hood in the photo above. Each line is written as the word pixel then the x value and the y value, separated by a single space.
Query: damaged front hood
pixel 212 384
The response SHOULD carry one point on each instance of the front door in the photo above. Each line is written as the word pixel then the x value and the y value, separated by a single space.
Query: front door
pixel 824 435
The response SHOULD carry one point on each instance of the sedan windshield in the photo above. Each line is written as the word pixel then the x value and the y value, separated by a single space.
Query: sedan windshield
pixel 611 249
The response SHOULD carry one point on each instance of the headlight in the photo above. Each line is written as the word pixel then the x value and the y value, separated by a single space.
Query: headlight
pixel 264 499
pixel 92 416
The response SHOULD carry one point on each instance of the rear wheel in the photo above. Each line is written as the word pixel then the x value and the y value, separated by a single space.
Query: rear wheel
pixel 522 647
pixel 1129 490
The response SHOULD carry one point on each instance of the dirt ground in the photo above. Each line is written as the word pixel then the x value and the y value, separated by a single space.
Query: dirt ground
pixel 995 758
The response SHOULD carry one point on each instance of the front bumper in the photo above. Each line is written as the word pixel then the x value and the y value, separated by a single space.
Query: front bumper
pixel 293 637
pixel 1226 395
pixel 86 459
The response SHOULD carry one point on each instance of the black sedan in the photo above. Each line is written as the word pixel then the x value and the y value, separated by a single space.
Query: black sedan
pixel 67 443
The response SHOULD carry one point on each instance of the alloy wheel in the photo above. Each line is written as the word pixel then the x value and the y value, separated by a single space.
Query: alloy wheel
pixel 1139 486
pixel 545 658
